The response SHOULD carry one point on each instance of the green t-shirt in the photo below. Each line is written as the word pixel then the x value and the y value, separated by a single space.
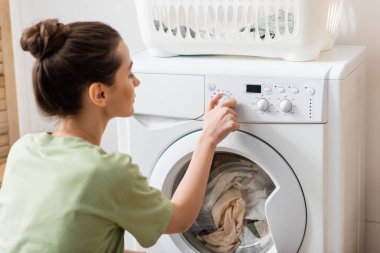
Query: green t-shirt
pixel 67 195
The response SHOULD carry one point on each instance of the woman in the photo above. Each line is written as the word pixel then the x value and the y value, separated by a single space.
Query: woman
pixel 61 191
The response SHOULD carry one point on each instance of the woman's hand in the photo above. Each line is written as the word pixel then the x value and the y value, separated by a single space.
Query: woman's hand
pixel 187 200
pixel 219 120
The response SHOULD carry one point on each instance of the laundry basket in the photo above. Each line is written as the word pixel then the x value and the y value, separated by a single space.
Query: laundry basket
pixel 296 30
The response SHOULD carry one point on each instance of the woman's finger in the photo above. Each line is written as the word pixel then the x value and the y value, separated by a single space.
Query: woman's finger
pixel 231 103
pixel 227 110
pixel 214 101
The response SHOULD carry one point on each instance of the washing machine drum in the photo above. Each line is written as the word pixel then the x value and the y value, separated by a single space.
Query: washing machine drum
pixel 274 212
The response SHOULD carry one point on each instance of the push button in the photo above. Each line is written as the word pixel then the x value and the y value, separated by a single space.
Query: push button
pixel 267 89
pixel 295 90
pixel 311 91
pixel 211 87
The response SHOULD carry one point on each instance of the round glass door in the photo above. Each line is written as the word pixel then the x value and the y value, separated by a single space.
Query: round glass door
pixel 232 171
pixel 274 212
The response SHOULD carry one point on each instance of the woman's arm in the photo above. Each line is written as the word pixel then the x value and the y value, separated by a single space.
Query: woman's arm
pixel 187 200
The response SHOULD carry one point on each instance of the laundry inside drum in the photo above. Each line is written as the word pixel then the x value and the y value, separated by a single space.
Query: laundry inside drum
pixel 232 217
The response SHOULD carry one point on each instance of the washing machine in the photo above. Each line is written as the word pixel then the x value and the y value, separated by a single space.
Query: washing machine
pixel 301 124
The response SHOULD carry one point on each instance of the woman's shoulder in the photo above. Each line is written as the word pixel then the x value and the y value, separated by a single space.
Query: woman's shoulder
pixel 25 140
pixel 114 170
pixel 119 163
pixel 72 149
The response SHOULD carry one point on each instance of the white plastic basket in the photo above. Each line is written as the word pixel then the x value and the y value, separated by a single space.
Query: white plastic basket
pixel 296 30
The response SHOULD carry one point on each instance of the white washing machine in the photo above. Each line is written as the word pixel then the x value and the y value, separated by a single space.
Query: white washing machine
pixel 302 123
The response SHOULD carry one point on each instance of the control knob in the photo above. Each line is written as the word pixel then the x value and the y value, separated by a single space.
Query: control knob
pixel 223 98
pixel 262 104
pixel 285 105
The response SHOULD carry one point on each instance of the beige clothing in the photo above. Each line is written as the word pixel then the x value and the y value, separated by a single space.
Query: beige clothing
pixel 228 215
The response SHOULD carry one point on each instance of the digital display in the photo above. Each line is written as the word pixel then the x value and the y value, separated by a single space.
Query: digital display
pixel 253 88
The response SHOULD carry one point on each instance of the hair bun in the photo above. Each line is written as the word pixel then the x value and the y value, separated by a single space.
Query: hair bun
pixel 44 38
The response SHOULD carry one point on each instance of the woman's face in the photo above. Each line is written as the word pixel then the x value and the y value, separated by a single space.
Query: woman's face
pixel 122 92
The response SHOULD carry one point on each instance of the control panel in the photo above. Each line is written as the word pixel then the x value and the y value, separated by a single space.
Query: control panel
pixel 272 99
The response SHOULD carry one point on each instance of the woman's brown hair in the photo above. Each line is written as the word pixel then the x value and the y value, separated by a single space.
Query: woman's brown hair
pixel 68 59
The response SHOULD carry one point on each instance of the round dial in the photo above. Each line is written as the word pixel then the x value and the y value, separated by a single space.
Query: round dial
pixel 262 104
pixel 285 105
pixel 223 98
pixel 311 91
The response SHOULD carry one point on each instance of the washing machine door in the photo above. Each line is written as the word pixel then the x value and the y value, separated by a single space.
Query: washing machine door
pixel 285 207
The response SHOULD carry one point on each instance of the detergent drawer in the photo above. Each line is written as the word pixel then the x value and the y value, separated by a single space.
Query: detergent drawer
pixel 173 96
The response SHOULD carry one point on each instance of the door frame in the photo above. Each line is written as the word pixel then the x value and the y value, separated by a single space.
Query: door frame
pixel 287 197
pixel 9 72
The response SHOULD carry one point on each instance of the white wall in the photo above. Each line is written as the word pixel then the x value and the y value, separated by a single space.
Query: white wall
pixel 119 14
pixel 359 27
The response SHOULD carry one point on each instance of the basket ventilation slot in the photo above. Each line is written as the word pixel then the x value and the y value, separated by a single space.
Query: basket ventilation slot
pixel 231 23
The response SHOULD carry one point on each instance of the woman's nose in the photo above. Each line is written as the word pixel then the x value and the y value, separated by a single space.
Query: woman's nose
pixel 136 82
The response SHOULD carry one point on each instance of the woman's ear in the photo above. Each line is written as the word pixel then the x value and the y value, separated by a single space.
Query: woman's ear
pixel 97 92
